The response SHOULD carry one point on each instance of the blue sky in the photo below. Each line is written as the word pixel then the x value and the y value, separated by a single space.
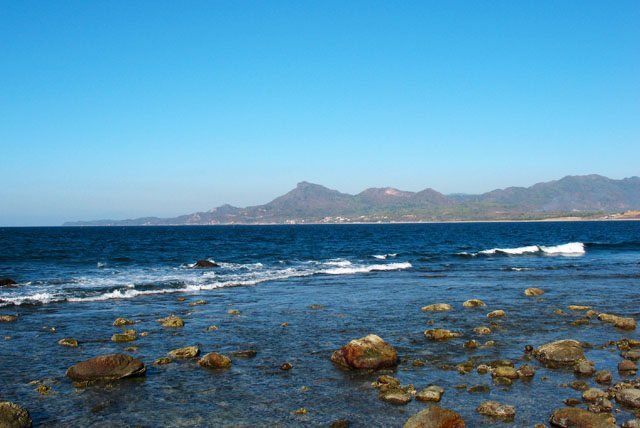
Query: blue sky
pixel 122 109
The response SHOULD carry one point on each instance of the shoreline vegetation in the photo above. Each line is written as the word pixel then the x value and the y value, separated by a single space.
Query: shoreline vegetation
pixel 625 216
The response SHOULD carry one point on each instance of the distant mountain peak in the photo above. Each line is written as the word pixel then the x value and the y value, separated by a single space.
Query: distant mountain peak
pixel 581 195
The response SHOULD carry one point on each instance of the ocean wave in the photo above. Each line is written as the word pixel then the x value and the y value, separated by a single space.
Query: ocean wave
pixel 569 249
pixel 126 285
pixel 337 262
pixel 384 256
pixel 366 268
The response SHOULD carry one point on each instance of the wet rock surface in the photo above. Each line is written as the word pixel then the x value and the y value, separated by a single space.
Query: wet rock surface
pixel 369 352
pixel 214 360
pixel 561 353
pixel 437 307
pixel 571 417
pixel 205 264
pixel 435 417
pixel 495 409
pixel 186 352
pixel 14 416
pixel 7 282
pixel 107 367
pixel 441 334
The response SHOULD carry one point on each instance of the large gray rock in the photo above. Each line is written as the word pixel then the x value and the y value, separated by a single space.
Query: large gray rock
pixel 561 353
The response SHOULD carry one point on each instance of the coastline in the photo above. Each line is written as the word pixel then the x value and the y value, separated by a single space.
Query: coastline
pixel 544 220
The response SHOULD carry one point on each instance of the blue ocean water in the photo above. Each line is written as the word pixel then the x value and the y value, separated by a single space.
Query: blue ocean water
pixel 368 279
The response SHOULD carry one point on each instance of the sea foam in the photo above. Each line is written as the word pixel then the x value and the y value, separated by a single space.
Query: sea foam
pixel 569 249
pixel 140 282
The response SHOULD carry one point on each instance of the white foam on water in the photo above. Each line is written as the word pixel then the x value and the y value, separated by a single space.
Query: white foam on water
pixel 572 248
pixel 384 256
pixel 569 249
pixel 337 262
pixel 366 268
pixel 124 284
pixel 31 299
pixel 512 251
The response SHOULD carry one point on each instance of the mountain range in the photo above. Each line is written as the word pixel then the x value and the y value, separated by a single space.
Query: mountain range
pixel 586 196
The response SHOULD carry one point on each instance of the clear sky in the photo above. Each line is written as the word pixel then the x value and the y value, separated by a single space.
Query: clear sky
pixel 120 109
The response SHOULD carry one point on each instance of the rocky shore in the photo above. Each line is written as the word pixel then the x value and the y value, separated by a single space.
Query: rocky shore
pixel 607 399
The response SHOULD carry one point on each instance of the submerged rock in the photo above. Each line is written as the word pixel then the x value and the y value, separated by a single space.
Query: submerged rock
pixel 505 372
pixel 213 360
pixel 286 366
pixel 482 330
pixel 369 352
pixel 435 417
pixel 205 264
pixel 592 394
pixel 629 397
pixel 631 355
pixel 471 344
pixel 249 353
pixel 233 312
pixel 198 302
pixel 171 321
pixel 579 308
pixel 620 322
pixel 584 368
pixel 126 336
pixel 526 371
pixel 162 361
pixel 440 334
pixel 601 405
pixel 68 341
pixel 625 323
pixel 14 416
pixel 603 377
pixel 474 303
pixel 107 367
pixel 7 282
pixel 560 353
pixel 437 307
pixel 119 322
pixel 571 417
pixel 430 393
pixel 186 352
pixel 627 367
pixel 496 410
pixel 8 318
pixel 533 292
pixel 386 382
pixel 395 396
pixel 496 314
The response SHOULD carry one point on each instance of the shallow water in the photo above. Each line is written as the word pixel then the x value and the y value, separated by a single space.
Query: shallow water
pixel 272 274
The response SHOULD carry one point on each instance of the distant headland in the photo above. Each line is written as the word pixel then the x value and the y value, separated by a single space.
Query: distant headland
pixel 570 198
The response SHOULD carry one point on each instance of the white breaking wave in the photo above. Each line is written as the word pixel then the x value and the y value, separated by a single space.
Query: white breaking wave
pixel 366 268
pixel 565 249
pixel 384 256
pixel 338 262
pixel 154 281
pixel 569 249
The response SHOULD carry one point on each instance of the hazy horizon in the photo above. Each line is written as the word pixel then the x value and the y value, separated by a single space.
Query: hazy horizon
pixel 121 110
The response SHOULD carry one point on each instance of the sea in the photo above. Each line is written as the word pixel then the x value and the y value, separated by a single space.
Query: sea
pixel 329 284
